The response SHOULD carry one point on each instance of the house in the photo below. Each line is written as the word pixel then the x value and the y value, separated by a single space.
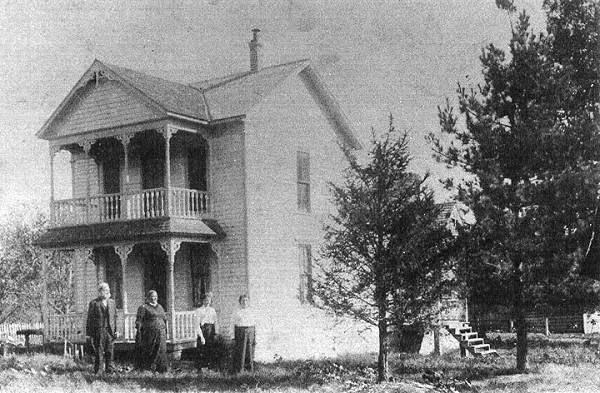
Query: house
pixel 218 185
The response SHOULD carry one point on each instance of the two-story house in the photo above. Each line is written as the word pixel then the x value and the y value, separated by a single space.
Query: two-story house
pixel 218 185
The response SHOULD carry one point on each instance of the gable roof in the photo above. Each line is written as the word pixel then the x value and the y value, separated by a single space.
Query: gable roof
pixel 212 100
pixel 455 214
pixel 236 94
pixel 172 96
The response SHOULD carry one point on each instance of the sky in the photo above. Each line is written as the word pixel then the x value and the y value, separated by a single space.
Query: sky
pixel 401 57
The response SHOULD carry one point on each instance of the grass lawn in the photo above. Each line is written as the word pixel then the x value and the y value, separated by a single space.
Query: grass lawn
pixel 558 364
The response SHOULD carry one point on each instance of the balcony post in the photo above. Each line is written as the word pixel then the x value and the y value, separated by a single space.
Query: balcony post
pixel 170 247
pixel 53 151
pixel 125 139
pixel 87 146
pixel 123 251
pixel 168 132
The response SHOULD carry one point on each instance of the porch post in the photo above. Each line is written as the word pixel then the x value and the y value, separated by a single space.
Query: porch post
pixel 53 151
pixel 123 251
pixel 170 247
pixel 82 258
pixel 46 257
pixel 168 132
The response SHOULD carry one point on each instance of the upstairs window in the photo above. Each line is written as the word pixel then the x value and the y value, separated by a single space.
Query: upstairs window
pixel 303 169
pixel 306 280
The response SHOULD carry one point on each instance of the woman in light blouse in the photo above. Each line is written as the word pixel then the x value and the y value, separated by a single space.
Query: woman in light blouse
pixel 245 337
pixel 206 317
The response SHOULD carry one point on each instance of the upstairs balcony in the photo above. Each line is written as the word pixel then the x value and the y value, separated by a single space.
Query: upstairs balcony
pixel 143 204
pixel 152 173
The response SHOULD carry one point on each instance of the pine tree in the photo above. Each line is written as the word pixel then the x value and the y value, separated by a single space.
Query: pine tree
pixel 386 253
pixel 531 145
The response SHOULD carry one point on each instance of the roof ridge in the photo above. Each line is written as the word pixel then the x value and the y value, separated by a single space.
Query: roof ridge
pixel 143 73
pixel 240 75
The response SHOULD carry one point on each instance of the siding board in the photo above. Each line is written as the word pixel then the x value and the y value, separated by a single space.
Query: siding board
pixel 103 106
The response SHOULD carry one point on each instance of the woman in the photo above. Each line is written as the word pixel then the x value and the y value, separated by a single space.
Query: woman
pixel 206 317
pixel 245 337
pixel 151 325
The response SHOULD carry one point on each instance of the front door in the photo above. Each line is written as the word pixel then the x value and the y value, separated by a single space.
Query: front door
pixel 155 276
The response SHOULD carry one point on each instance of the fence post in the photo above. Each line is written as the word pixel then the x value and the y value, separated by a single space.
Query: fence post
pixel 511 325
pixel 546 327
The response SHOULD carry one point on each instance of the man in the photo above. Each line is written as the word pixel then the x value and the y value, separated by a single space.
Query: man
pixel 101 327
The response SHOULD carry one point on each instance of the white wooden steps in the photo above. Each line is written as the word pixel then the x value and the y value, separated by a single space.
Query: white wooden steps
pixel 470 340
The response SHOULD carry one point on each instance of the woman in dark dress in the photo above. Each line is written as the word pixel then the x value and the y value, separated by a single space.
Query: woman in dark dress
pixel 151 325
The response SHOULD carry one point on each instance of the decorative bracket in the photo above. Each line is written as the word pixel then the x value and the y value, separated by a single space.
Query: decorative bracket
pixel 168 131
pixel 86 144
pixel 219 251
pixel 85 253
pixel 125 139
pixel 170 245
pixel 123 251
pixel 54 149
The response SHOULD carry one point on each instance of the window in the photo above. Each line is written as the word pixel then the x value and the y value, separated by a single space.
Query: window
pixel 305 262
pixel 303 166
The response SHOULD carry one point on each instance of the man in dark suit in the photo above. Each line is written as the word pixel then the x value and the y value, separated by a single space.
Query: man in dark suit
pixel 101 327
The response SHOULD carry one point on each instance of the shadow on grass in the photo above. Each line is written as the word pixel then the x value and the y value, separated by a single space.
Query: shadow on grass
pixel 277 375
pixel 452 366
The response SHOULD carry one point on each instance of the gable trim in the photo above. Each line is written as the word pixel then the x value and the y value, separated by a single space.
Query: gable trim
pixel 329 106
pixel 96 71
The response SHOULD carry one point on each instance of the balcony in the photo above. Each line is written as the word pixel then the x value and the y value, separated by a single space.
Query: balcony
pixel 144 204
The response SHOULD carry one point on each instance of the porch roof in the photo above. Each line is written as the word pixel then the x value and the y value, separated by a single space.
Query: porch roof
pixel 135 230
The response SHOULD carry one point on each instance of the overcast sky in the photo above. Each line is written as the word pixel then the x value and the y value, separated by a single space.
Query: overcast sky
pixel 378 57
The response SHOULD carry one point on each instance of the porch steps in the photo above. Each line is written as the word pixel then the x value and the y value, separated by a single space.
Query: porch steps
pixel 470 340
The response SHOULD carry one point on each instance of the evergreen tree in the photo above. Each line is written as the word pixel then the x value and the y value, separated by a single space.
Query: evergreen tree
pixel 386 252
pixel 531 143
pixel 20 270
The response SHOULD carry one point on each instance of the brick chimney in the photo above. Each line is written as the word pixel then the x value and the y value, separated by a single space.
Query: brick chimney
pixel 254 50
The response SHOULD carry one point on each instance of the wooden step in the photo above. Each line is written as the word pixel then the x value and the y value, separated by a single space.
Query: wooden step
pixel 480 347
pixel 463 330
pixel 474 341
pixel 489 352
pixel 468 336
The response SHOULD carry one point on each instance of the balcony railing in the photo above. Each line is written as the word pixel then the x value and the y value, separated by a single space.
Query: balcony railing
pixel 157 202
pixel 71 327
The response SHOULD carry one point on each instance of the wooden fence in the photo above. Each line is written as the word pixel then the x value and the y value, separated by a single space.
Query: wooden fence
pixel 535 324
pixel 8 332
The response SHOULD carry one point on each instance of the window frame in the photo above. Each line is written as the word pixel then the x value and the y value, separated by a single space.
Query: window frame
pixel 303 181
pixel 305 287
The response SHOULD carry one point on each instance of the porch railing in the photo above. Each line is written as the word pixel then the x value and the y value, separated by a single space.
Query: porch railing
pixel 71 327
pixel 151 203
pixel 185 325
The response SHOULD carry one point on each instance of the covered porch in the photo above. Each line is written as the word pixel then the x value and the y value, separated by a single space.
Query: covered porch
pixel 180 270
